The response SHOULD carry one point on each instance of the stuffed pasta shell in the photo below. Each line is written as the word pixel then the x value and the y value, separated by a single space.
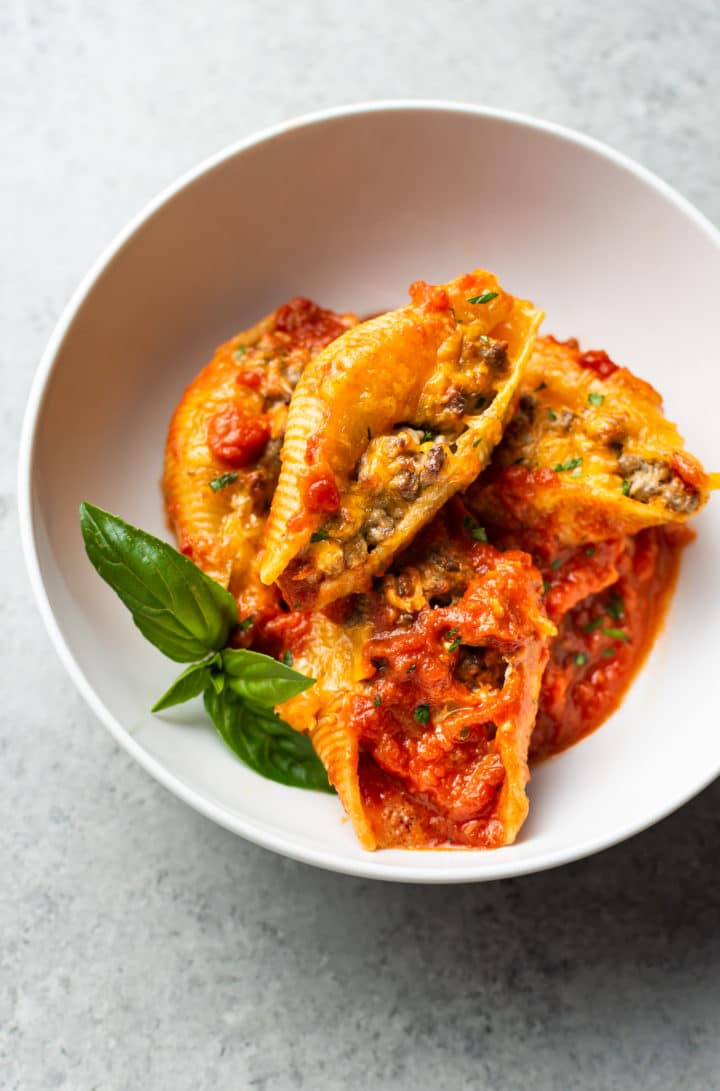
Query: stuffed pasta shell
pixel 588 454
pixel 425 727
pixel 222 451
pixel 385 425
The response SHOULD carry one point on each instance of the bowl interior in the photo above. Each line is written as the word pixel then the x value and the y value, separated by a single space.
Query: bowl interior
pixel 349 210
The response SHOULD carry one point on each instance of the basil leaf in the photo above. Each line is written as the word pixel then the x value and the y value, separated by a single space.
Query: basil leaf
pixel 260 678
pixel 174 605
pixel 265 743
pixel 191 683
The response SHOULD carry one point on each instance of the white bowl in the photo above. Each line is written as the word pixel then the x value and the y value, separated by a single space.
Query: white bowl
pixel 348 207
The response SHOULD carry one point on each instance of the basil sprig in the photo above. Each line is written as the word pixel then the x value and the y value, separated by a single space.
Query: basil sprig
pixel 175 606
pixel 265 742
pixel 190 618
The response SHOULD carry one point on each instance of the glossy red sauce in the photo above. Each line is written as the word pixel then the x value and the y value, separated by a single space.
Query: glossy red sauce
pixel 309 324
pixel 235 438
pixel 321 494
pixel 598 361
pixel 608 601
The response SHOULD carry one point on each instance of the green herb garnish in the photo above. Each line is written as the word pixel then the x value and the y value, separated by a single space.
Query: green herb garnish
pixel 455 640
pixel 607 653
pixel 421 715
pixel 484 298
pixel 246 623
pixel 287 658
pixel 223 480
pixel 552 415
pixel 590 551
pixel 546 586
pixel 543 386
pixel 265 742
pixel 615 607
pixel 626 487
pixel 427 436
pixel 190 617
pixel 571 464
pixel 593 625
pixel 240 350
pixel 617 634
pixel 555 564
pixel 478 533
pixel 595 399
pixel 464 732
pixel 319 536
pixel 377 700
pixel 580 659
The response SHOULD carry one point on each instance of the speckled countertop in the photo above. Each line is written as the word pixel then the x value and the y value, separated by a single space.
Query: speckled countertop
pixel 142 947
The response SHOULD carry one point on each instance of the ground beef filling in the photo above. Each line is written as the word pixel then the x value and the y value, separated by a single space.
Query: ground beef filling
pixel 392 473
pixel 396 469
pixel 652 479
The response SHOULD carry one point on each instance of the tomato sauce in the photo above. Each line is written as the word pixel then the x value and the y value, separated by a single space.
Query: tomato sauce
pixel 321 493
pixel 608 601
pixel 598 361
pixel 235 438
pixel 308 324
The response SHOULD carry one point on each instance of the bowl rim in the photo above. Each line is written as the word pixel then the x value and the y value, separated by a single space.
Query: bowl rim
pixel 472 866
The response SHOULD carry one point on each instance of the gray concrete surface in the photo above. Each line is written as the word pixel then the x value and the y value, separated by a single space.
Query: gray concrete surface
pixel 140 946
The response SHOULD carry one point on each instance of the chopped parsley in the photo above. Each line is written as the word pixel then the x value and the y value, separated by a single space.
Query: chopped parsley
pixel 427 436
pixel 580 659
pixel 246 623
pixel 556 564
pixel 552 415
pixel 546 586
pixel 595 399
pixel 319 536
pixel 617 634
pixel 223 481
pixel 412 668
pixel 608 653
pixel 571 464
pixel 590 551
pixel 287 658
pixel 464 732
pixel 421 715
pixel 543 386
pixel 477 442
pixel 626 487
pixel 593 625
pixel 454 639
pixel 484 298
pixel 377 700
pixel 240 351
pixel 615 607
pixel 478 533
